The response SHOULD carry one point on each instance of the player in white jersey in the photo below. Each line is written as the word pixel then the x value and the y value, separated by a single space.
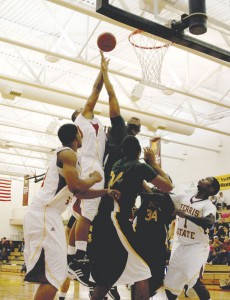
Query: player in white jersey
pixel 196 215
pixel 45 243
pixel 91 153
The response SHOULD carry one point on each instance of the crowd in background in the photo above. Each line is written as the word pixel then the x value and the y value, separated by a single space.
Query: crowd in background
pixel 7 246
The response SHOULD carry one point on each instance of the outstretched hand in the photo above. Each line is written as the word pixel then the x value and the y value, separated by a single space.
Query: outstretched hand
pixel 104 62
pixel 149 156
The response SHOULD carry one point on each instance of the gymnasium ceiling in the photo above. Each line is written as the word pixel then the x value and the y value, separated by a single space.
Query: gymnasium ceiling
pixel 49 56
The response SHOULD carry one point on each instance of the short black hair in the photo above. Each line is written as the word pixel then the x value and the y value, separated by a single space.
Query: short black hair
pixel 131 147
pixel 67 133
pixel 216 186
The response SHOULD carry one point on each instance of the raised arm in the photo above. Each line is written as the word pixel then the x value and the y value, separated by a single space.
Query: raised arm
pixel 162 181
pixel 114 108
pixel 92 100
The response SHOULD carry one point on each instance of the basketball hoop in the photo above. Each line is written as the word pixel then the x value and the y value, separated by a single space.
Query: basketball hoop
pixel 150 51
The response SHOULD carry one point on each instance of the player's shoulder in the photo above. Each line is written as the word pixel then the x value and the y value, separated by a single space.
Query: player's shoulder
pixel 66 152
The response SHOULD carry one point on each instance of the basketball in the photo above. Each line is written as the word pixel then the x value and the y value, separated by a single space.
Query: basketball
pixel 106 41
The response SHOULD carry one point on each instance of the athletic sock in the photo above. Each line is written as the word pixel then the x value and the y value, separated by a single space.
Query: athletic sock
pixel 80 254
pixel 62 296
pixel 81 249
pixel 71 250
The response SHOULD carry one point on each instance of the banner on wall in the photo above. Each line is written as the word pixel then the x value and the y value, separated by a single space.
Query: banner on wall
pixel 5 189
pixel 224 181
pixel 155 145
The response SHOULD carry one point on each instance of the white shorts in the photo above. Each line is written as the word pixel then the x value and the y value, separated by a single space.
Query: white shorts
pixel 44 229
pixel 185 265
pixel 89 207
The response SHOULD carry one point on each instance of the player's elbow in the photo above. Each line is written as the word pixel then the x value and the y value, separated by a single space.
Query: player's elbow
pixel 78 187
pixel 167 188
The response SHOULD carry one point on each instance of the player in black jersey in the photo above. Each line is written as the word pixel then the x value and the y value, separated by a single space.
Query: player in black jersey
pixel 151 226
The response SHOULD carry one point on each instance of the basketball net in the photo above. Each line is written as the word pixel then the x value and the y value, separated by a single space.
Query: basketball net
pixel 150 51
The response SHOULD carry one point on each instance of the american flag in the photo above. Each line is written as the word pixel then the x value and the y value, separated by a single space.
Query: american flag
pixel 5 189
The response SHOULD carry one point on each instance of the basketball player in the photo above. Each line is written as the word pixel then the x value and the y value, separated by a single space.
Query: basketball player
pixel 113 152
pixel 114 257
pixel 119 130
pixel 92 151
pixel 45 242
pixel 196 214
pixel 152 223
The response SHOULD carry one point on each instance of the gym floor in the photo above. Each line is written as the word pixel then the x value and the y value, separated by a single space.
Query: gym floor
pixel 12 287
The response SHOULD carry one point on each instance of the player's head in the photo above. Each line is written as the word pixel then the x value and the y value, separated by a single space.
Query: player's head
pixel 215 185
pixel 68 133
pixel 131 147
pixel 209 186
pixel 133 126
pixel 75 114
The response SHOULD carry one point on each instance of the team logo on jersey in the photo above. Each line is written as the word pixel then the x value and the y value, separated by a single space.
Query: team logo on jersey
pixel 114 179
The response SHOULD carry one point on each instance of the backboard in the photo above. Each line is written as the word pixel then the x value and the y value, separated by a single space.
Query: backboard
pixel 164 18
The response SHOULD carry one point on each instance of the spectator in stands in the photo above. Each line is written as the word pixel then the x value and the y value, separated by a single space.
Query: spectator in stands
pixel 221 233
pixel 227 202
pixel 213 199
pixel 21 246
pixel 224 254
pixel 217 247
pixel 221 201
pixel 4 242
pixel 211 247
pixel 226 231
pixel 10 247
pixel 4 255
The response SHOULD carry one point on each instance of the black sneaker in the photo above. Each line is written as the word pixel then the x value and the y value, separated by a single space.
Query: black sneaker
pixel 91 292
pixel 113 293
pixel 80 270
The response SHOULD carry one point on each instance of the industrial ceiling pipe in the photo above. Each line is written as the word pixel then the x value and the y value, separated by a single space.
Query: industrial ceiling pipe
pixel 197 17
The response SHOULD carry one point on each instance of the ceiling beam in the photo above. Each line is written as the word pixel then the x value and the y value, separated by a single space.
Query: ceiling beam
pixel 22 165
pixel 125 75
pixel 23 155
pixel 28 147
pixel 54 96
pixel 180 143
pixel 9 173
pixel 27 129
pixel 141 133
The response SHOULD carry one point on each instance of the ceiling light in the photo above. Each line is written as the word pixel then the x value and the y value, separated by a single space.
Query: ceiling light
pixel 137 92
pixel 51 58
pixel 11 93
pixel 167 92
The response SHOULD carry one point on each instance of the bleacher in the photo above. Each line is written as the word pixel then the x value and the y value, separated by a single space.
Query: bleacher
pixel 16 260
pixel 213 273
